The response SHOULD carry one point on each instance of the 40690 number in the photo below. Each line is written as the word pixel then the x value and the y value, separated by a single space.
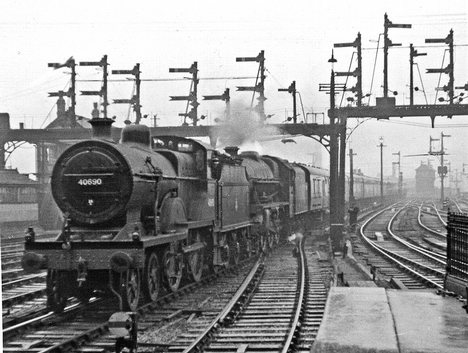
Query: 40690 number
pixel 90 181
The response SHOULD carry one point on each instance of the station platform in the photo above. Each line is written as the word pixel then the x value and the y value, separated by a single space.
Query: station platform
pixel 371 319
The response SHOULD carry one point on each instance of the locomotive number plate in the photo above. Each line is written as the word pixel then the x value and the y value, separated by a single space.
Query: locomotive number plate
pixel 90 181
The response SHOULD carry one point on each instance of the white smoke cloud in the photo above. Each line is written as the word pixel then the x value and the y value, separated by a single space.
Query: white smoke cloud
pixel 244 128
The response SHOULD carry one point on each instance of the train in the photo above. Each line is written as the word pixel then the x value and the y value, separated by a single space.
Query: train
pixel 149 212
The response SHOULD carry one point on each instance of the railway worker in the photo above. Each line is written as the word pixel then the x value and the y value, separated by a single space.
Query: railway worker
pixel 296 238
pixel 353 213
pixel 95 111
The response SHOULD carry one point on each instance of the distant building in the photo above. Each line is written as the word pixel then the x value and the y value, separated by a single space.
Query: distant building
pixel 425 178
pixel 18 201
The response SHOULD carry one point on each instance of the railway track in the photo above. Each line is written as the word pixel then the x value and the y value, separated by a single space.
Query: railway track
pixel 421 228
pixel 441 214
pixel 280 313
pixel 435 234
pixel 281 303
pixel 261 314
pixel 11 254
pixel 397 260
pixel 431 222
pixel 86 325
pixel 17 291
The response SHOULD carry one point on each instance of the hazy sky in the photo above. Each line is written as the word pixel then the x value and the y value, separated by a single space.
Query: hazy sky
pixel 297 37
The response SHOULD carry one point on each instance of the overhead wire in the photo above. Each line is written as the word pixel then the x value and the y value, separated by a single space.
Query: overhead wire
pixel 253 93
pixel 346 81
pixel 169 79
pixel 422 84
pixel 26 91
pixel 423 125
pixel 373 70
pixel 188 102
pixel 440 76
pixel 53 106
pixel 302 106
pixel 275 78
pixel 418 46
pixel 130 105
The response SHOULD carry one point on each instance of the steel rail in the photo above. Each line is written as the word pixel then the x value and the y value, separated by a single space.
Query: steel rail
pixel 418 249
pixel 383 252
pixel 295 325
pixel 71 309
pixel 456 205
pixel 228 312
pixel 464 203
pixel 426 227
pixel 12 253
pixel 22 280
pixel 22 297
pixel 98 329
pixel 438 214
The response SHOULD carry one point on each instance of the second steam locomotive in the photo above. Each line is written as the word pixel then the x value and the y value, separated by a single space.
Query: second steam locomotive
pixel 146 212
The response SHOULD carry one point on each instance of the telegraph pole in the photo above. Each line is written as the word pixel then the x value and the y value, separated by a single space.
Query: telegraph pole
pixel 400 175
pixel 456 182
pixel 388 43
pixel 135 100
pixel 291 89
pixel 442 169
pixel 413 53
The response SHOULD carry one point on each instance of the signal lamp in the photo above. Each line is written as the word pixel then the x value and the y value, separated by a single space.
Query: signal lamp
pixel 30 235
pixel 136 235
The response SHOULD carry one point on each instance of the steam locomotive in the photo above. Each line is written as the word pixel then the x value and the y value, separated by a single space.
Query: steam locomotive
pixel 147 212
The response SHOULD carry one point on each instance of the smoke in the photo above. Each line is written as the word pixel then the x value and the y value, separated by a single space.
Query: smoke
pixel 244 128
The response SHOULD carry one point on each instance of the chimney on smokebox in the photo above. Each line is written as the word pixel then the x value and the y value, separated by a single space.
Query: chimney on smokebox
pixel 101 128
pixel 232 150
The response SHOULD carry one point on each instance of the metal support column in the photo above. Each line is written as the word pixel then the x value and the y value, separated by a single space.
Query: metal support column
pixel 342 170
pixel 411 85
pixel 336 227
pixel 351 177
pixel 381 145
